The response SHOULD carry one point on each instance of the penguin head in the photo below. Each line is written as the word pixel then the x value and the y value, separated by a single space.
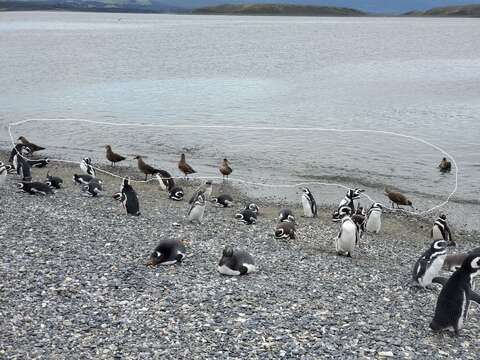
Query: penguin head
pixel 439 245
pixel 356 193
pixel 87 160
pixel 214 200
pixel 208 183
pixel 252 207
pixel 377 205
pixel 20 185
pixel 25 150
pixel 340 213
pixel 108 147
pixel 306 191
pixel 443 217
pixel 291 219
pixel 137 157
pixel 472 263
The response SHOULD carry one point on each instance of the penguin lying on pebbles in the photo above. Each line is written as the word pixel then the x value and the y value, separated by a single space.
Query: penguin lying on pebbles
pixel 398 198
pixel 82 179
pixel 286 215
pixel 348 235
pixel 86 166
pixel 54 181
pixel 374 218
pixel 41 163
pixel 430 263
pixel 92 188
pixel 197 209
pixel 309 204
pixel 440 230
pixel 247 217
pixel 454 300
pixel 168 252
pixel 222 200
pixel 235 262
pixel 252 207
pixel 128 197
pixel 285 230
pixel 34 188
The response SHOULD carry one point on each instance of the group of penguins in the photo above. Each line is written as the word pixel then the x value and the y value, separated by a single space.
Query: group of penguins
pixel 453 301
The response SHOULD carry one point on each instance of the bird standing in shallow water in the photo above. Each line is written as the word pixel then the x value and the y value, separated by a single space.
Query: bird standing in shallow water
pixel 445 165
pixel 112 156
pixel 184 167
pixel 225 169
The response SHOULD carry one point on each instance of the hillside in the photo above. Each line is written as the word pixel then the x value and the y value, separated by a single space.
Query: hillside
pixel 278 9
pixel 452 11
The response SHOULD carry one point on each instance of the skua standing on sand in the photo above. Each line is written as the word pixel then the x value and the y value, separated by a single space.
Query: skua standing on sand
pixel 113 157
pixel 184 167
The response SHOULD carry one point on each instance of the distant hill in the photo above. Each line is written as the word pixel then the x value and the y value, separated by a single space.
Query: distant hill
pixel 452 11
pixel 278 9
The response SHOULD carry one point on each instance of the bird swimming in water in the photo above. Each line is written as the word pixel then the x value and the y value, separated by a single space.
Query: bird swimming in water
pixel 32 146
pixel 398 198
pixel 225 169
pixel 445 165
pixel 184 167
pixel 112 156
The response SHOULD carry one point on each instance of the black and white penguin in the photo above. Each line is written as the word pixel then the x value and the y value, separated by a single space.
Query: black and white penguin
pixel 430 263
pixel 374 218
pixel 222 200
pixel 176 193
pixel 235 262
pixel 285 230
pixel 34 188
pixel 10 169
pixel 40 163
pixel 82 179
pixel 93 188
pixel 21 149
pixel 286 215
pixel 308 203
pixel 54 181
pixel 348 235
pixel 197 209
pixel 454 300
pixel 86 167
pixel 164 179
pixel 350 196
pixel 205 189
pixel 22 167
pixel 3 174
pixel 168 252
pixel 440 230
pixel 247 217
pixel 128 197
pixel 252 207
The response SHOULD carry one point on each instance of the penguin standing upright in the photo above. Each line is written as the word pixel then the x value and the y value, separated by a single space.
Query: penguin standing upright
pixel 374 218
pixel 3 174
pixel 454 300
pixel 235 262
pixel 348 235
pixel 128 197
pixel 430 263
pixel 22 167
pixel 440 230
pixel 308 203
pixel 197 209
pixel 86 167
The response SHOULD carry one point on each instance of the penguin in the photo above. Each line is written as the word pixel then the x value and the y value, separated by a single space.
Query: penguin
pixel 176 193
pixel 197 209
pixel 374 218
pixel 430 263
pixel 440 230
pixel 19 149
pixel 454 299
pixel 359 218
pixel 445 165
pixel 54 181
pixel 167 252
pixel 225 169
pixel 41 163
pixel 222 200
pixel 235 262
pixel 253 207
pixel 286 215
pixel 348 235
pixel 23 140
pixel 34 188
pixel 164 179
pixel 9 168
pixel 112 156
pixel 128 197
pixel 205 189
pixel 285 230
pixel 82 179
pixel 86 167
pixel 309 204
pixel 398 198
pixel 22 167
pixel 350 196
pixel 184 167
pixel 3 174
pixel 93 188
pixel 247 217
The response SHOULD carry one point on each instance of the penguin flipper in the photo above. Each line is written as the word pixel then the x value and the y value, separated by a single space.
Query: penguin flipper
pixel 473 296
pixel 440 280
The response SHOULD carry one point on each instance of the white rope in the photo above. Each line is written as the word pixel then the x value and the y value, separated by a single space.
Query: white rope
pixel 251 128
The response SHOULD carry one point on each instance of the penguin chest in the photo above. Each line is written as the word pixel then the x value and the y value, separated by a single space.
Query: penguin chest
pixel 432 271
pixel 374 222
pixel 307 208
pixel 197 213
pixel 463 316
pixel 436 233
pixel 347 238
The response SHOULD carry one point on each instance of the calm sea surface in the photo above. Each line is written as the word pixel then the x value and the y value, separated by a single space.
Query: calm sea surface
pixel 419 77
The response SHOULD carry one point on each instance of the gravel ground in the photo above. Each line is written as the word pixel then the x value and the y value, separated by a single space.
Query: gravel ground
pixel 75 285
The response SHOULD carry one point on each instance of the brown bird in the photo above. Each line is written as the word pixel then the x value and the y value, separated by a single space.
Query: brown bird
pixel 30 145
pixel 113 157
pixel 225 169
pixel 398 198
pixel 145 168
pixel 445 165
pixel 184 167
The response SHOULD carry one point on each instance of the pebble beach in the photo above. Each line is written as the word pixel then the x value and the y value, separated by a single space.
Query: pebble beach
pixel 74 283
